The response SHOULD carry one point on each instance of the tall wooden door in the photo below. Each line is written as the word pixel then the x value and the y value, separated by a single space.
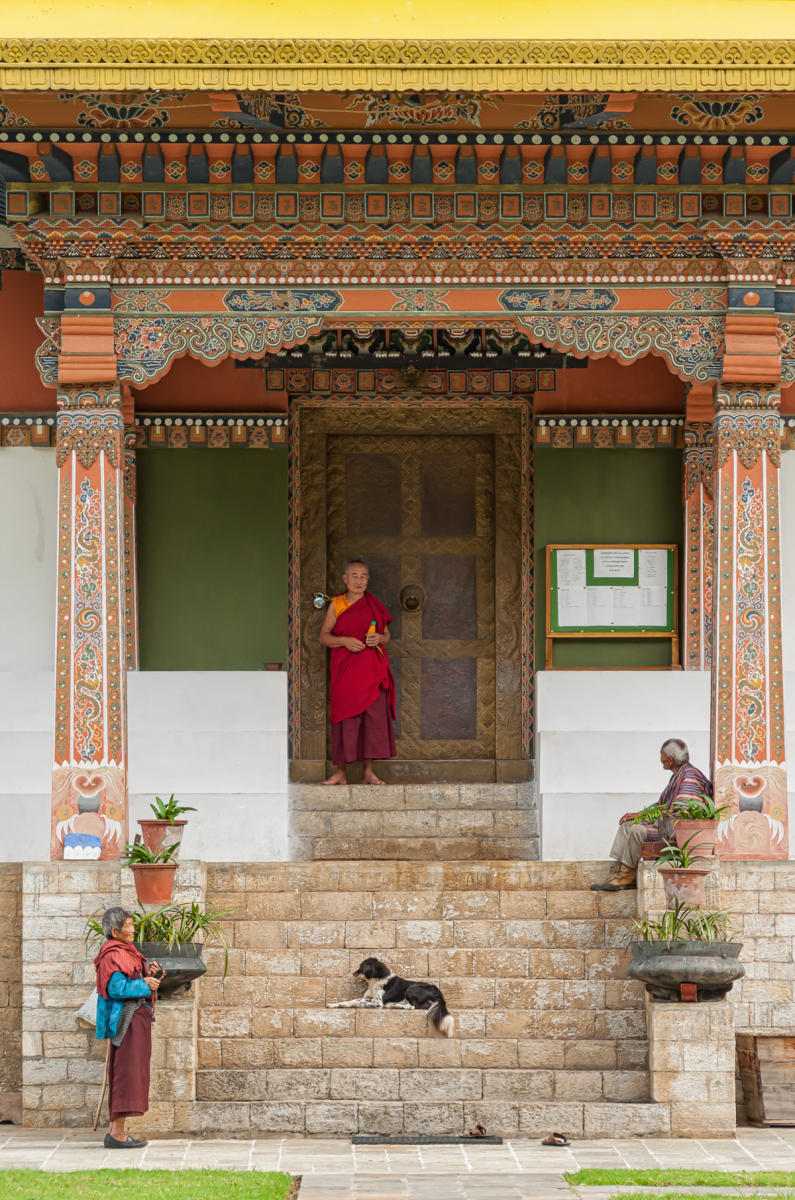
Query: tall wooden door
pixel 420 510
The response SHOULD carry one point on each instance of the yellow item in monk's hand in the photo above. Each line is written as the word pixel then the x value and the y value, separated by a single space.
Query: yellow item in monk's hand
pixel 372 628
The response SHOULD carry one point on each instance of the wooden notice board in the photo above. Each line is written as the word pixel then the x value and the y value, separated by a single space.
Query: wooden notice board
pixel 612 591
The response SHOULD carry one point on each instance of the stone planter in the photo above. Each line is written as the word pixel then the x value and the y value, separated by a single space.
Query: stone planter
pixel 154 882
pixel 664 966
pixel 159 835
pixel 703 833
pixel 182 962
pixel 685 884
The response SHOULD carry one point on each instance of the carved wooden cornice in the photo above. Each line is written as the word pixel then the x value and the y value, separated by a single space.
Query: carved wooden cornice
pixel 476 65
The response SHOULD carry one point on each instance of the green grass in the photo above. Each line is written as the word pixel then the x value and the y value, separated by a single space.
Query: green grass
pixel 680 1177
pixel 144 1185
pixel 700 1196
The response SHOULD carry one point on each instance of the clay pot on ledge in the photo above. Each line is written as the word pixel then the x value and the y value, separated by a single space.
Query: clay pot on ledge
pixel 685 884
pixel 154 882
pixel 158 835
pixel 704 835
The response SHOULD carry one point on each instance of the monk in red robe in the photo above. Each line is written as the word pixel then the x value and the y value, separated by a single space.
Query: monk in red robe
pixel 362 687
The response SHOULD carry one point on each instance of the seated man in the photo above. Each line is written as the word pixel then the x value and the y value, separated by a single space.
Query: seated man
pixel 685 783
pixel 362 687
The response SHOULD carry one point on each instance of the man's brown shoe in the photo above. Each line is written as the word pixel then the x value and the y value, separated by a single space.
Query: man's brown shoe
pixel 611 875
pixel 622 881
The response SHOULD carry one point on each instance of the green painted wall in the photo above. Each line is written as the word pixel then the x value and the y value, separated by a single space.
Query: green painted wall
pixel 619 496
pixel 212 559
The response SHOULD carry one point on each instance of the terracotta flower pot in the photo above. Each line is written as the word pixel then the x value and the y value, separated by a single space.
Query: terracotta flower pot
pixel 154 882
pixel 685 884
pixel 157 835
pixel 703 833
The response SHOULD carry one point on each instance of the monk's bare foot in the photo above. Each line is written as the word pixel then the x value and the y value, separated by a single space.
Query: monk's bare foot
pixel 371 777
pixel 338 777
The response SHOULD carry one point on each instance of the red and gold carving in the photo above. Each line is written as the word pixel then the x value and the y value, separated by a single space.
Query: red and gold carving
pixel 748 707
pixel 698 549
pixel 89 809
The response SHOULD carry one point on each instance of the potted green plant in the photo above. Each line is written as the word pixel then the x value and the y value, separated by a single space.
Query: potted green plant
pixel 163 829
pixel 174 936
pixel 682 946
pixel 696 822
pixel 153 872
pixel 683 879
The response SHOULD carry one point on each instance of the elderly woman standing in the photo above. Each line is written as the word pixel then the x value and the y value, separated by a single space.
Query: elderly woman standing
pixel 127 986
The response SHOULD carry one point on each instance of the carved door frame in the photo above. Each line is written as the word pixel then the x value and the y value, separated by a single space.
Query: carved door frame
pixel 509 420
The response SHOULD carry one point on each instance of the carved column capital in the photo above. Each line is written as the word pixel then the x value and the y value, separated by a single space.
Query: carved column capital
pixel 89 422
pixel 698 453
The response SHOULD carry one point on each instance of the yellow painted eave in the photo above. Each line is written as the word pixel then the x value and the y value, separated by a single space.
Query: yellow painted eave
pixel 539 20
pixel 519 45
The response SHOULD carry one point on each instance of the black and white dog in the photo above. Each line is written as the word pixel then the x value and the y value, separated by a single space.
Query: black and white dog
pixel 385 989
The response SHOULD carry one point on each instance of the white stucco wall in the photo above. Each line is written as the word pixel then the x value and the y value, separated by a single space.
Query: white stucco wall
pixel 598 749
pixel 28 532
pixel 787 524
pixel 218 740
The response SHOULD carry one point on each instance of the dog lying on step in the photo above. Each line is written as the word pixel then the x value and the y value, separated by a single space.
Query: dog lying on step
pixel 385 989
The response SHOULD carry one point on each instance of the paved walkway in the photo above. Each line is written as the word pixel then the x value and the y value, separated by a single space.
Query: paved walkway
pixel 333 1169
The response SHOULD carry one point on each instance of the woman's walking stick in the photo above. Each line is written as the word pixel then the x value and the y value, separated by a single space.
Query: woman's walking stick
pixel 104 1086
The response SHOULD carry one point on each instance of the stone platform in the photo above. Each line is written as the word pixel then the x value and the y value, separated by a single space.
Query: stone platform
pixel 447 821
pixel 548 1033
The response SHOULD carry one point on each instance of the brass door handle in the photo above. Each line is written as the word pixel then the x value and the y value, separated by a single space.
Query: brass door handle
pixel 412 598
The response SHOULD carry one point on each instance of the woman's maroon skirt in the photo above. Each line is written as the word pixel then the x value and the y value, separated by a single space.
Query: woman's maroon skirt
pixel 128 1068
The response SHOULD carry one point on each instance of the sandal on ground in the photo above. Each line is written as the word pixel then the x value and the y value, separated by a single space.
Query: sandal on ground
pixel 478 1131
pixel 556 1139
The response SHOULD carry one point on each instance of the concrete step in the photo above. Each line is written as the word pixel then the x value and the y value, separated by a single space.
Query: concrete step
pixel 531 963
pixel 389 797
pixel 415 821
pixel 506 879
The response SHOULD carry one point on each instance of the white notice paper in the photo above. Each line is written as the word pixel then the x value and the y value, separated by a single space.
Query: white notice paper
pixel 653 568
pixel 571 568
pixel 614 563
pixel 627 606
pixel 571 608
pixel 654 606
pixel 599 604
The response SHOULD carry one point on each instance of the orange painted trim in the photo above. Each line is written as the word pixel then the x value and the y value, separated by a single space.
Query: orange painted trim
pixel 87 368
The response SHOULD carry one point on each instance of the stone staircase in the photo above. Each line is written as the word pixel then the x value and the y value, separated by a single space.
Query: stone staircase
pixel 548 1033
pixel 446 821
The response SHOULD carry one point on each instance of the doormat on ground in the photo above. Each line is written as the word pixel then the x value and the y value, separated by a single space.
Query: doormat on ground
pixel 421 1139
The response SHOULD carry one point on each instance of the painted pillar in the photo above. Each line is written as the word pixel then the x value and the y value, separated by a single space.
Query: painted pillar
pixel 747 686
pixel 698 527
pixel 89 795
pixel 130 541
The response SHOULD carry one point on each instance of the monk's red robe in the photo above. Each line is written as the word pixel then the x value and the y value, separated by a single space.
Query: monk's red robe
pixel 358 678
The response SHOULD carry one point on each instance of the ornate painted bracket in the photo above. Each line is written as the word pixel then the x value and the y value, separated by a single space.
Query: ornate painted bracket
pixel 691 345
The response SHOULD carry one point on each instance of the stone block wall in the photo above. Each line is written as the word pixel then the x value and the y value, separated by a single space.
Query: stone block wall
pixel 10 990
pixel 548 1031
pixel 691 1065
pixel 62 1062
pixel 759 898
